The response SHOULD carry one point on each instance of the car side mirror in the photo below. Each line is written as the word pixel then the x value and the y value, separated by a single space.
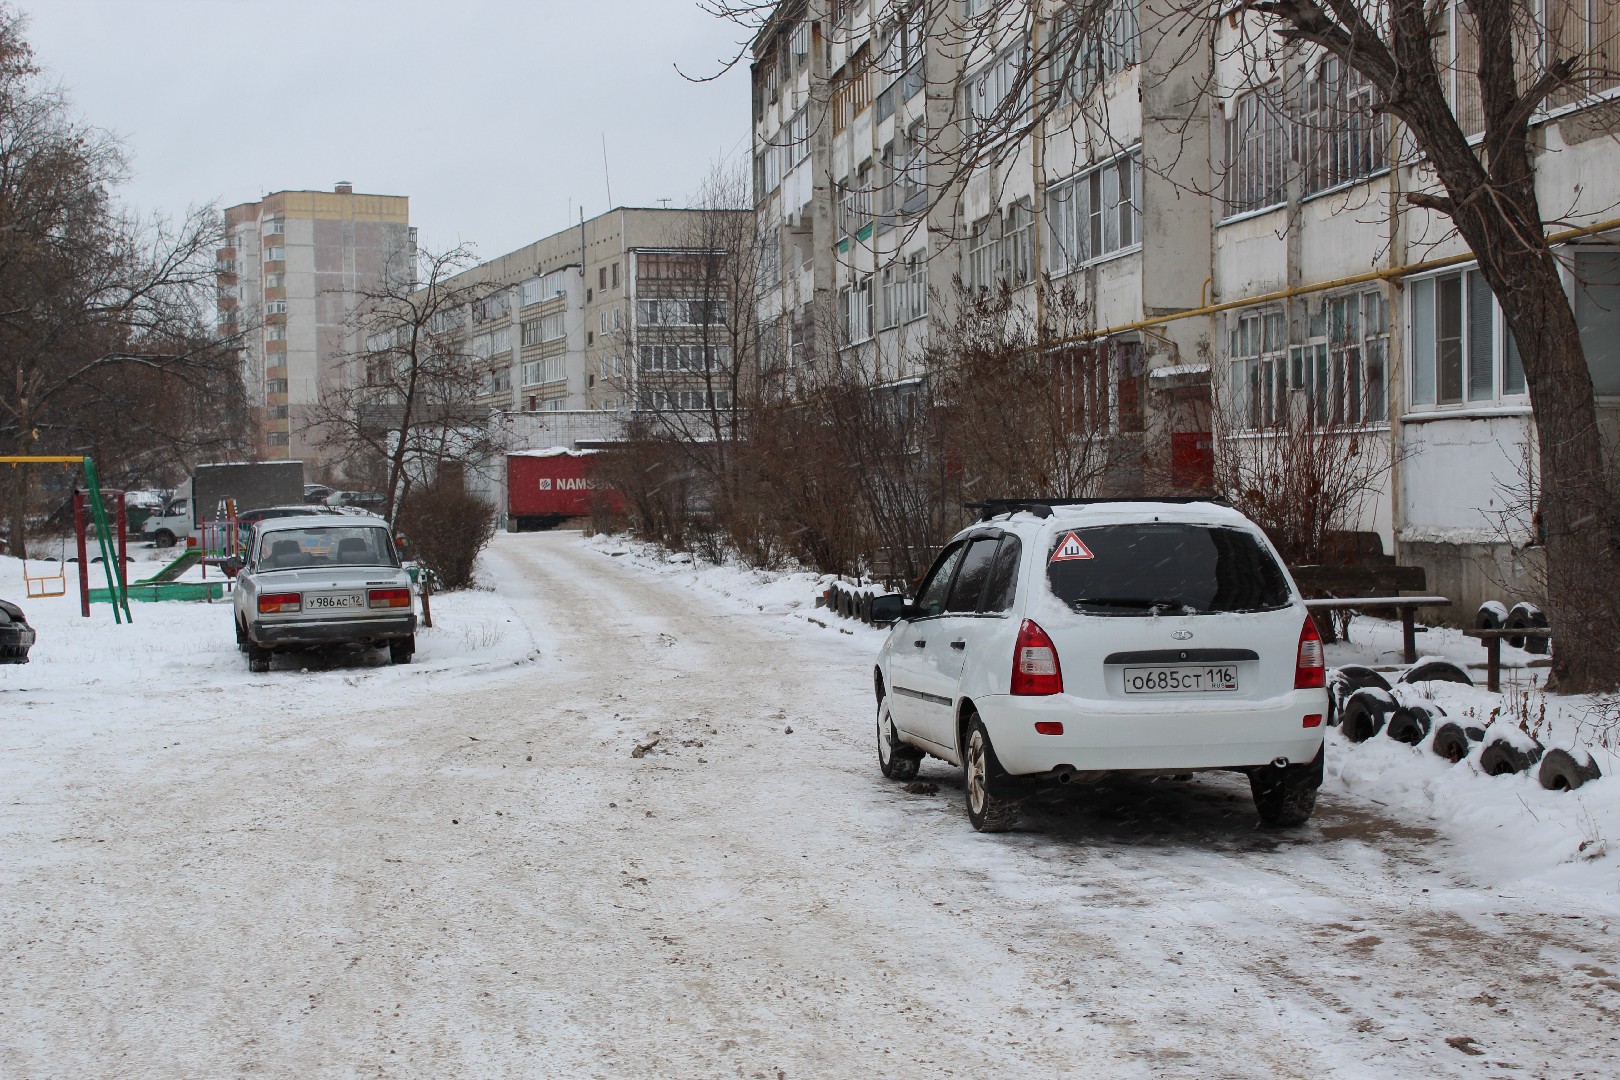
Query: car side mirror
pixel 891 608
pixel 232 566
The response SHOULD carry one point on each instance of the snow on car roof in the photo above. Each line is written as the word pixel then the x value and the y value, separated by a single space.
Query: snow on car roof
pixel 320 521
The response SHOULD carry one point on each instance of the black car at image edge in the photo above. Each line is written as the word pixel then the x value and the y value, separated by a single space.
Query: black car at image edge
pixel 16 636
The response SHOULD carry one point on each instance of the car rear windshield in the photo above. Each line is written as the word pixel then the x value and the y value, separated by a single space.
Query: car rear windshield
pixel 1163 568
pixel 300 549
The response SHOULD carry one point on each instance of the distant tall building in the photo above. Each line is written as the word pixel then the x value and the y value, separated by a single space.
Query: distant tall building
pixel 297 264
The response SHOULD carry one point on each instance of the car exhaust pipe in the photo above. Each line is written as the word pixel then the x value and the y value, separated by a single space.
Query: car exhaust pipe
pixel 1065 775
pixel 1280 763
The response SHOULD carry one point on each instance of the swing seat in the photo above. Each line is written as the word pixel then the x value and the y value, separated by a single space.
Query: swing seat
pixel 41 587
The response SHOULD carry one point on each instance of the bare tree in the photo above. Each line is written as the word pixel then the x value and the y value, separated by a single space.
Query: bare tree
pixel 408 401
pixel 99 311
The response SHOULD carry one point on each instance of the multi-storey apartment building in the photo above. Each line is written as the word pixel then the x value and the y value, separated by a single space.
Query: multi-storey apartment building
pixel 297 265
pixel 1231 213
pixel 601 316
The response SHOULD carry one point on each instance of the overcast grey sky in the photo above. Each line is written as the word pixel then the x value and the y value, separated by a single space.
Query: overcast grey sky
pixel 489 114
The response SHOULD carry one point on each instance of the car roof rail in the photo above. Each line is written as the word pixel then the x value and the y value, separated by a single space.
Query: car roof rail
pixel 1042 508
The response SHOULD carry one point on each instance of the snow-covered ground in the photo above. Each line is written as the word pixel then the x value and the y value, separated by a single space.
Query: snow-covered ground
pixel 464 867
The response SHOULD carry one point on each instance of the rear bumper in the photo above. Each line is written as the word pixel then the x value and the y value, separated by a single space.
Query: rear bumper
pixel 333 631
pixel 1110 735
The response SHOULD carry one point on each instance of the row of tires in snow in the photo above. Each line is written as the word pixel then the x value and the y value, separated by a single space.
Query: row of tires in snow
pixel 1495 615
pixel 1363 704
pixel 850 601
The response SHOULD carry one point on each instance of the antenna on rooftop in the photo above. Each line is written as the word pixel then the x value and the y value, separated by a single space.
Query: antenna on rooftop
pixel 664 202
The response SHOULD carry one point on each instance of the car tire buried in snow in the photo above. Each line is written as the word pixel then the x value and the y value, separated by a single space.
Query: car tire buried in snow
pixel 1501 757
pixel 1436 671
pixel 1344 681
pixel 1492 614
pixel 1451 742
pixel 896 760
pixel 1286 796
pixel 989 807
pixel 1563 771
pixel 1527 616
pixel 1365 712
pixel 242 643
pixel 1410 724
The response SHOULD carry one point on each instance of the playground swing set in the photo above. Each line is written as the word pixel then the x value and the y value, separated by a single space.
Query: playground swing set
pixel 112 555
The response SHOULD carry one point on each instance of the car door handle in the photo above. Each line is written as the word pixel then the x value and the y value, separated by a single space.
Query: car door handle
pixel 920 642
pixel 959 645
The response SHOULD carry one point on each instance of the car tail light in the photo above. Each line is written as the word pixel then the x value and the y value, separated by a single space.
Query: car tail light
pixel 390 598
pixel 1035 668
pixel 1313 720
pixel 279 603
pixel 1310 672
pixel 1048 727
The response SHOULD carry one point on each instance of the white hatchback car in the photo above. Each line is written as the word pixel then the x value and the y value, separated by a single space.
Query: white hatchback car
pixel 1059 641
pixel 331 579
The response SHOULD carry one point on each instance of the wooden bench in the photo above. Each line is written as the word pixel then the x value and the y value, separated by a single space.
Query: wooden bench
pixel 1492 640
pixel 1406 605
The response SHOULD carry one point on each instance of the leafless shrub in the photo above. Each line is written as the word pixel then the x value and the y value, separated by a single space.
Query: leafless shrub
pixel 445 528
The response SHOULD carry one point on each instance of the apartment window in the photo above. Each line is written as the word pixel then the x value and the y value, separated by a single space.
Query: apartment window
pixel 498 380
pixel 988 93
pixel 1461 351
pixel 548 328
pixel 500 341
pixel 1018 243
pixel 1096 214
pixel 615 274
pixel 276 438
pixel 1087 46
pixel 275 386
pixel 551 369
pixel 1341 370
pixel 275 333
pixel 914 287
pixel 275 412
pixel 770 258
pixel 913 164
pixel 1255 152
pixel 445 321
pixel 483 346
pixel 681 312
pixel 275 227
pixel 1258 386
pixel 799 46
pixel 855 309
pixel 979 270
pixel 493 306
pixel 275 280
pixel 889 296
pixel 1340 137
pixel 1597 313
pixel 275 254
pixel 698 358
pixel 275 307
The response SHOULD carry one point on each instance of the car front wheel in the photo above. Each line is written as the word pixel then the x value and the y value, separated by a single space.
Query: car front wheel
pixel 897 760
pixel 988 809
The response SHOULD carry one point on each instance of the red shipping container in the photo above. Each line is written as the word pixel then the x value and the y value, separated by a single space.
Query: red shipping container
pixel 544 487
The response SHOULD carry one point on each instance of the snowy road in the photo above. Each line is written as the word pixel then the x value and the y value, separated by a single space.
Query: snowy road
pixel 483 881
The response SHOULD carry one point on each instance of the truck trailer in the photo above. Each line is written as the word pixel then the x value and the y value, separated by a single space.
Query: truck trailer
pixel 545 488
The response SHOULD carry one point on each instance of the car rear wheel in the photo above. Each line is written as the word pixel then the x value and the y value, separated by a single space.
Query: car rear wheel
pixel 1286 796
pixel 258 658
pixel 898 760
pixel 400 650
pixel 163 538
pixel 988 809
